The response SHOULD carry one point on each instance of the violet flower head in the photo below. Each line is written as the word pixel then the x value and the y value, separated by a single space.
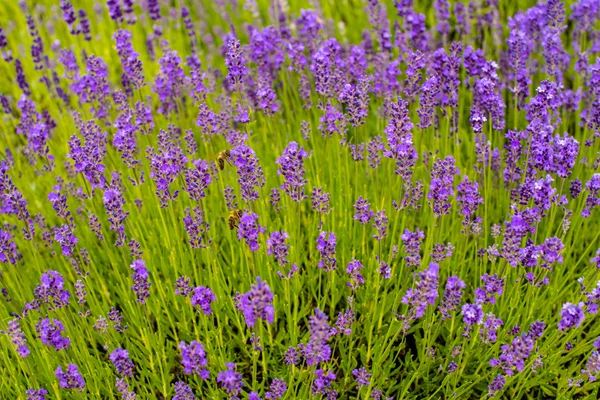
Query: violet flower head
pixel 113 204
pixel 70 378
pixel 50 291
pixel 141 286
pixel 193 359
pixel 197 179
pixel 472 314
pixel 196 225
pixel 202 298
pixel 291 356
pixel 320 201
pixel 292 169
pixel 468 199
pixel 323 381
pixel 123 388
pixel 344 321
pixel 249 229
pixel 356 278
pixel 380 223
pixel 424 293
pixel 257 303
pixel 593 195
pixel 441 186
pixel 452 296
pixel 50 333
pixel 230 380
pixel 276 247
pixel 36 394
pixel 363 212
pixel 234 60
pixel 361 376
pixel 572 316
pixel 8 248
pixel 276 390
pixel 412 246
pixel 249 171
pixel 17 337
pixel 67 240
pixel 171 83
pixel 326 243
pixel 494 286
pixel 123 365
pixel 183 392
pixel 592 366
pixel 400 139
pixel 317 350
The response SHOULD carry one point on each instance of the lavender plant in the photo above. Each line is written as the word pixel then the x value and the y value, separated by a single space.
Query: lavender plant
pixel 370 199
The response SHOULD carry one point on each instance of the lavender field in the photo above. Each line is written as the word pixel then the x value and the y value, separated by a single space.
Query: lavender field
pixel 281 199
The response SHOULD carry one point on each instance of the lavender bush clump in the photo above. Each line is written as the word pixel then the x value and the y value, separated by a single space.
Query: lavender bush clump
pixel 157 157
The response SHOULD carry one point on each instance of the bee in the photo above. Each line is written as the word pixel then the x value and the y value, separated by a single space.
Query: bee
pixel 234 218
pixel 223 157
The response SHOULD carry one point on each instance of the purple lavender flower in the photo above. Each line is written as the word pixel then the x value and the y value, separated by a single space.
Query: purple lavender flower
pixel 65 237
pixel 249 171
pixel 196 226
pixel 593 198
pixel 230 380
pixel 39 394
pixel 323 381
pixel 412 246
pixel 424 293
pixel 472 314
pixel 8 248
pixel 123 365
pixel 257 303
pixel 93 88
pixel 361 376
pixel 50 333
pixel 113 203
pixel 70 378
pixel 166 164
pixel 292 169
pixel 17 337
pixel 236 65
pixel 193 359
pixel 50 291
pixel 490 328
pixel 326 245
pixel 276 247
pixel 356 279
pixel 249 229
pixel 344 321
pixel 400 140
pixel 291 356
pixel 452 296
pixel 141 286
pixel 317 350
pixel 132 66
pixel 441 186
pixel 363 211
pixel 572 316
pixel 183 392
pixel 496 385
pixel 171 83
pixel 592 366
pixel 197 180
pixel 320 201
pixel 468 199
pixel 494 286
pixel 276 390
pixel 380 223
pixel 123 388
pixel 202 298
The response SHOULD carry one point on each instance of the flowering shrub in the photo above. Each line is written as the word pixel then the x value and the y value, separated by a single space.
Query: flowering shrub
pixel 369 199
